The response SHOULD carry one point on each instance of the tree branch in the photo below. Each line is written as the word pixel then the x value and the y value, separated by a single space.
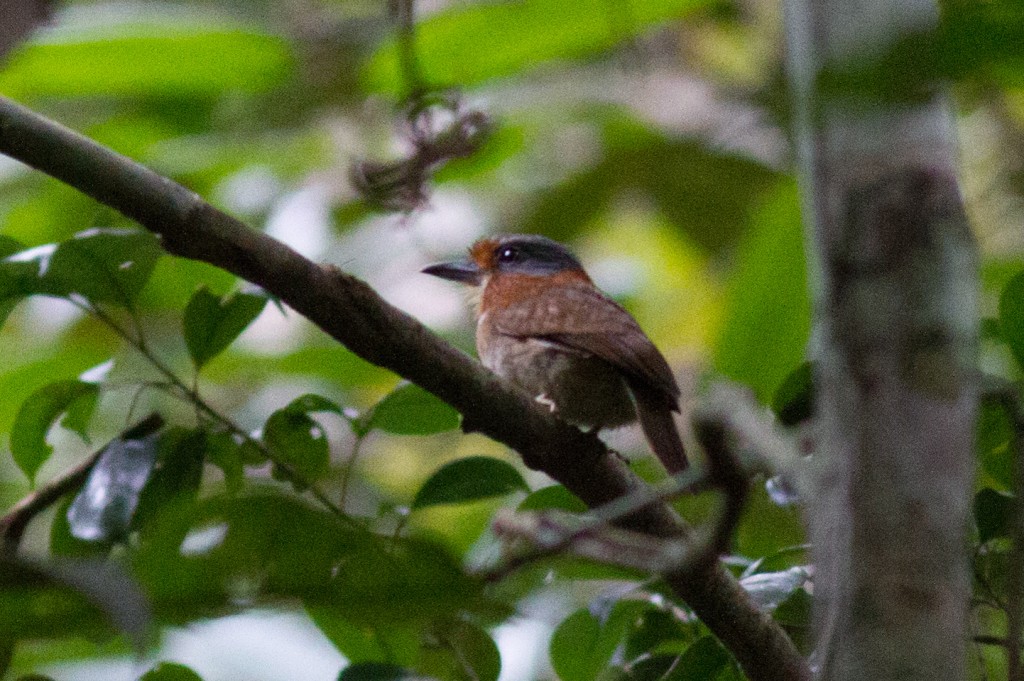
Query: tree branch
pixel 895 284
pixel 352 312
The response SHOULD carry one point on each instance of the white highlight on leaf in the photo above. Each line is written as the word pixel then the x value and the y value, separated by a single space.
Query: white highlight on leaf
pixel 42 254
pixel 203 539
pixel 98 373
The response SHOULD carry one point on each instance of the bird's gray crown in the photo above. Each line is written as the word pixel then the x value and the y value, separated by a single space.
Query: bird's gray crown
pixel 531 254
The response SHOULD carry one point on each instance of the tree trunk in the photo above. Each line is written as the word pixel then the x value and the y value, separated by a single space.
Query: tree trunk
pixel 896 390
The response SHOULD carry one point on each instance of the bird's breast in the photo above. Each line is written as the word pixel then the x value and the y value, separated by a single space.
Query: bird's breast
pixel 585 389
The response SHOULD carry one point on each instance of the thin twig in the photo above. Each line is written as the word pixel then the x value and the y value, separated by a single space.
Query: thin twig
pixel 594 536
pixel 16 520
pixel 191 395
pixel 350 465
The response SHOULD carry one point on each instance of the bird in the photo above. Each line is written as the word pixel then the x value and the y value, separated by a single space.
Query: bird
pixel 543 325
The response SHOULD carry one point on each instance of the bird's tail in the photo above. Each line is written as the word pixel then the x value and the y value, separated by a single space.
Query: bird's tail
pixel 654 409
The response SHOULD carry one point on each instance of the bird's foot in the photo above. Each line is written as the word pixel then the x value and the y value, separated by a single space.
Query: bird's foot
pixel 547 402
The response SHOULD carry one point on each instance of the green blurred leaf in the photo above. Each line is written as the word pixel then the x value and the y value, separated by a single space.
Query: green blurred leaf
pixel 375 671
pixel 212 323
pixel 768 316
pixel 793 402
pixel 101 265
pixel 656 629
pixel 706 193
pixel 795 615
pixel 414 582
pixel 63 598
pixel 224 450
pixel 104 51
pixel 974 40
pixel 1011 316
pixel 705 660
pixel 411 410
pixel 993 514
pixel 360 643
pixel 37 415
pixel 767 528
pixel 469 479
pixel 553 498
pixel 176 475
pixel 312 402
pixel 993 441
pixel 299 441
pixel 575 645
pixel 8 246
pixel 518 36
pixel 464 651
pixel 198 557
pixel 583 643
pixel 170 671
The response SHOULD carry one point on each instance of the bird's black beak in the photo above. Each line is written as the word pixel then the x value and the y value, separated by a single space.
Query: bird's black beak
pixel 465 271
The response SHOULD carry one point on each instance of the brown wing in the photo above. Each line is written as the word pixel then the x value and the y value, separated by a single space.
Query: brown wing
pixel 584 319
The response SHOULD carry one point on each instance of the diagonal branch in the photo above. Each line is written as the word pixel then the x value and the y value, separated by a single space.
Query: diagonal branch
pixel 352 312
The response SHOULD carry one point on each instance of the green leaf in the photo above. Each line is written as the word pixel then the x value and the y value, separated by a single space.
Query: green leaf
pixel 793 402
pixel 469 479
pixel 8 246
pixel 656 629
pixel 582 645
pixel 465 652
pixel 768 317
pixel 198 557
pixel 706 193
pixel 102 265
pixel 298 441
pixel 70 598
pixel 518 36
pixel 994 439
pixel 38 414
pixel 170 671
pixel 158 53
pixel 1011 317
pixel 375 671
pixel 412 581
pixel 795 611
pixel 312 402
pixel 553 498
pixel 704 660
pixel 224 450
pixel 177 474
pixel 993 514
pixel 212 323
pixel 400 644
pixel 411 410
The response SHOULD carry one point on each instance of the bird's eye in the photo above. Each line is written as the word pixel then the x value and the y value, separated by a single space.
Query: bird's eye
pixel 507 254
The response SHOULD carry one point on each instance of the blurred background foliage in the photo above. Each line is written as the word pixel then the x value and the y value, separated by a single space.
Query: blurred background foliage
pixel 650 135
